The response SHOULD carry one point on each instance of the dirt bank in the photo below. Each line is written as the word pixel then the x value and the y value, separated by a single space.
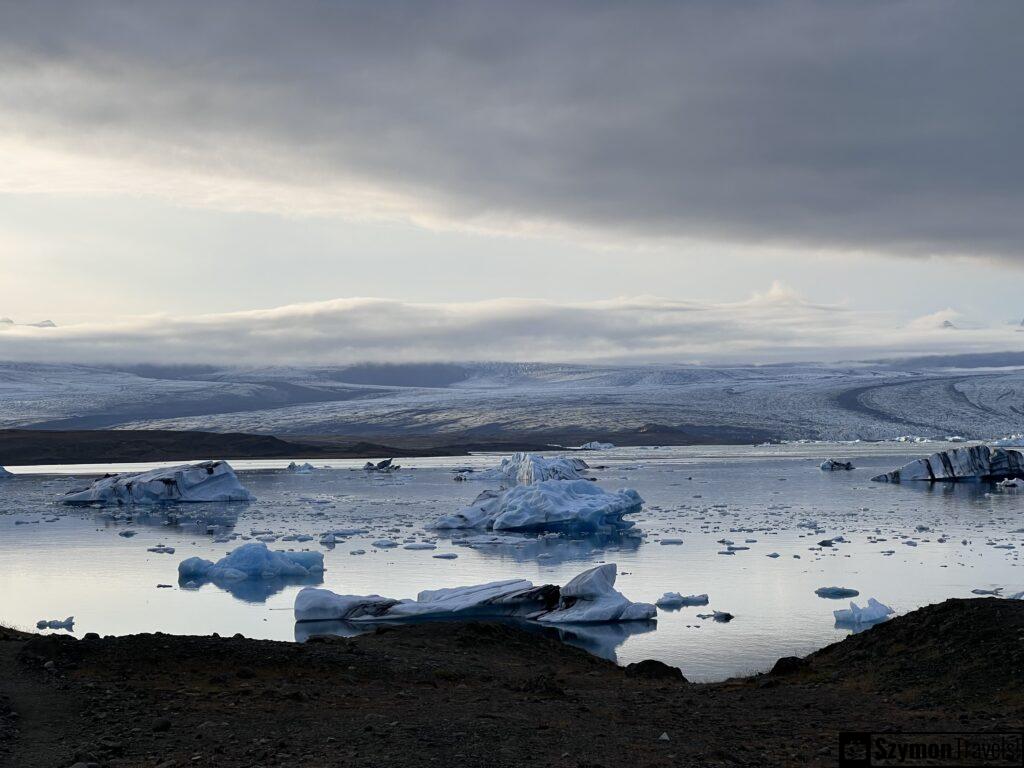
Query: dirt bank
pixel 489 695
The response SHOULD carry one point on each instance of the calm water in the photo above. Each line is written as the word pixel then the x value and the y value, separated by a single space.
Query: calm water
pixel 57 561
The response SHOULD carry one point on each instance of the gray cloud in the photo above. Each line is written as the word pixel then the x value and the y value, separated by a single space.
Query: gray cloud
pixel 886 126
pixel 774 326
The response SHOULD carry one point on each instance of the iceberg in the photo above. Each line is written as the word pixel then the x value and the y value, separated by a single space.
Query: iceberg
pixel 527 468
pixel 873 612
pixel 207 481
pixel 833 465
pixel 836 593
pixel 548 505
pixel 977 463
pixel 588 598
pixel 672 600
pixel 301 469
pixel 387 465
pixel 595 445
pixel 68 623
pixel 252 561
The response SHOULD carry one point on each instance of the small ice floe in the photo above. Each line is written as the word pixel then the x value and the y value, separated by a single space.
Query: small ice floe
pixel 993 592
pixel 127 533
pixel 252 561
pixel 384 544
pixel 301 469
pixel 873 612
pixel 207 481
pixel 548 505
pixel 772 554
pixel 161 549
pixel 446 556
pixel 419 545
pixel 68 623
pixel 676 600
pixel 836 593
pixel 721 616
pixel 670 542
pixel 595 445
pixel 834 465
pixel 388 465
pixel 589 598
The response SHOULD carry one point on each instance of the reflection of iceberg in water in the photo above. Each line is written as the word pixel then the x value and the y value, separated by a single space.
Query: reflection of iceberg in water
pixel 601 640
pixel 254 590
pixel 551 548
pixel 212 519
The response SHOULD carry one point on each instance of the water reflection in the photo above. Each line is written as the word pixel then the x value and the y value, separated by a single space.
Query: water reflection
pixel 253 590
pixel 549 548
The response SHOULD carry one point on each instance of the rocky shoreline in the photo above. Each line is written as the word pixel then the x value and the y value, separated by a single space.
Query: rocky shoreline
pixel 485 694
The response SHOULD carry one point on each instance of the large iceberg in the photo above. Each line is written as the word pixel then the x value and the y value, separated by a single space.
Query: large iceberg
pixel 527 468
pixel 591 597
pixel 974 463
pixel 548 505
pixel 252 561
pixel 205 481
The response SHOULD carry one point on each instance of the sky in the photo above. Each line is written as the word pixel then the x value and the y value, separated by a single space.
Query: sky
pixel 333 182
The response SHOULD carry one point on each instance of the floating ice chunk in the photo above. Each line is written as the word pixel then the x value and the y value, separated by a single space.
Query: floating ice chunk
pixel 670 542
pixel 446 556
pixel 68 623
pixel 1012 483
pixel 419 545
pixel 384 544
pixel 127 533
pixel 161 549
pixel 833 465
pixel 874 611
pixel 387 465
pixel 994 592
pixel 548 505
pixel 836 593
pixel 677 600
pixel 527 468
pixel 772 554
pixel 207 481
pixel 974 463
pixel 592 597
pixel 1016 596
pixel 1010 441
pixel 252 561
pixel 596 445
pixel 301 469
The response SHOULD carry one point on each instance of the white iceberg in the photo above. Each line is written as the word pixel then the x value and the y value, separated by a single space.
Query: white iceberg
pixel 548 505
pixel 527 468
pixel 301 469
pixel 595 445
pixel 588 598
pixel 207 481
pixel 676 600
pixel 1010 441
pixel 252 561
pixel 873 612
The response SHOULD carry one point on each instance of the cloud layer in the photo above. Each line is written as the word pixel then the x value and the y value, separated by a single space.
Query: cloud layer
pixel 774 326
pixel 882 126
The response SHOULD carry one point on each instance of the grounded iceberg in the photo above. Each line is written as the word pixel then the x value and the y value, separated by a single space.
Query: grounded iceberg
pixel 548 505
pixel 591 597
pixel 975 463
pixel 252 561
pixel 527 468
pixel 206 481
pixel 873 612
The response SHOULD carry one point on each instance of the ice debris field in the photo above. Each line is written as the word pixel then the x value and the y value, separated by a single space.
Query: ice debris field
pixel 718 560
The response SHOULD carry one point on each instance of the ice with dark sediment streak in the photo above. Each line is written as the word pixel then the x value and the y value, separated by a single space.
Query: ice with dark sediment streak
pixel 834 465
pixel 207 481
pixel 591 597
pixel 548 505
pixel 976 463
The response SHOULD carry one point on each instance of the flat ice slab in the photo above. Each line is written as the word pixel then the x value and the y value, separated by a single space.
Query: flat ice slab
pixel 207 481
pixel 548 505
pixel 974 463
pixel 591 597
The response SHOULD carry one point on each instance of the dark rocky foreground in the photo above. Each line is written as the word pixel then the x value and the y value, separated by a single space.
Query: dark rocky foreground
pixel 490 695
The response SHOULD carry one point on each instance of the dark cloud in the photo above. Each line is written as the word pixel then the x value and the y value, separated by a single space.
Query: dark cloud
pixel 887 126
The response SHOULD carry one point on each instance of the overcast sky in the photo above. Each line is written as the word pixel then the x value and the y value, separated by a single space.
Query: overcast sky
pixel 413 180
